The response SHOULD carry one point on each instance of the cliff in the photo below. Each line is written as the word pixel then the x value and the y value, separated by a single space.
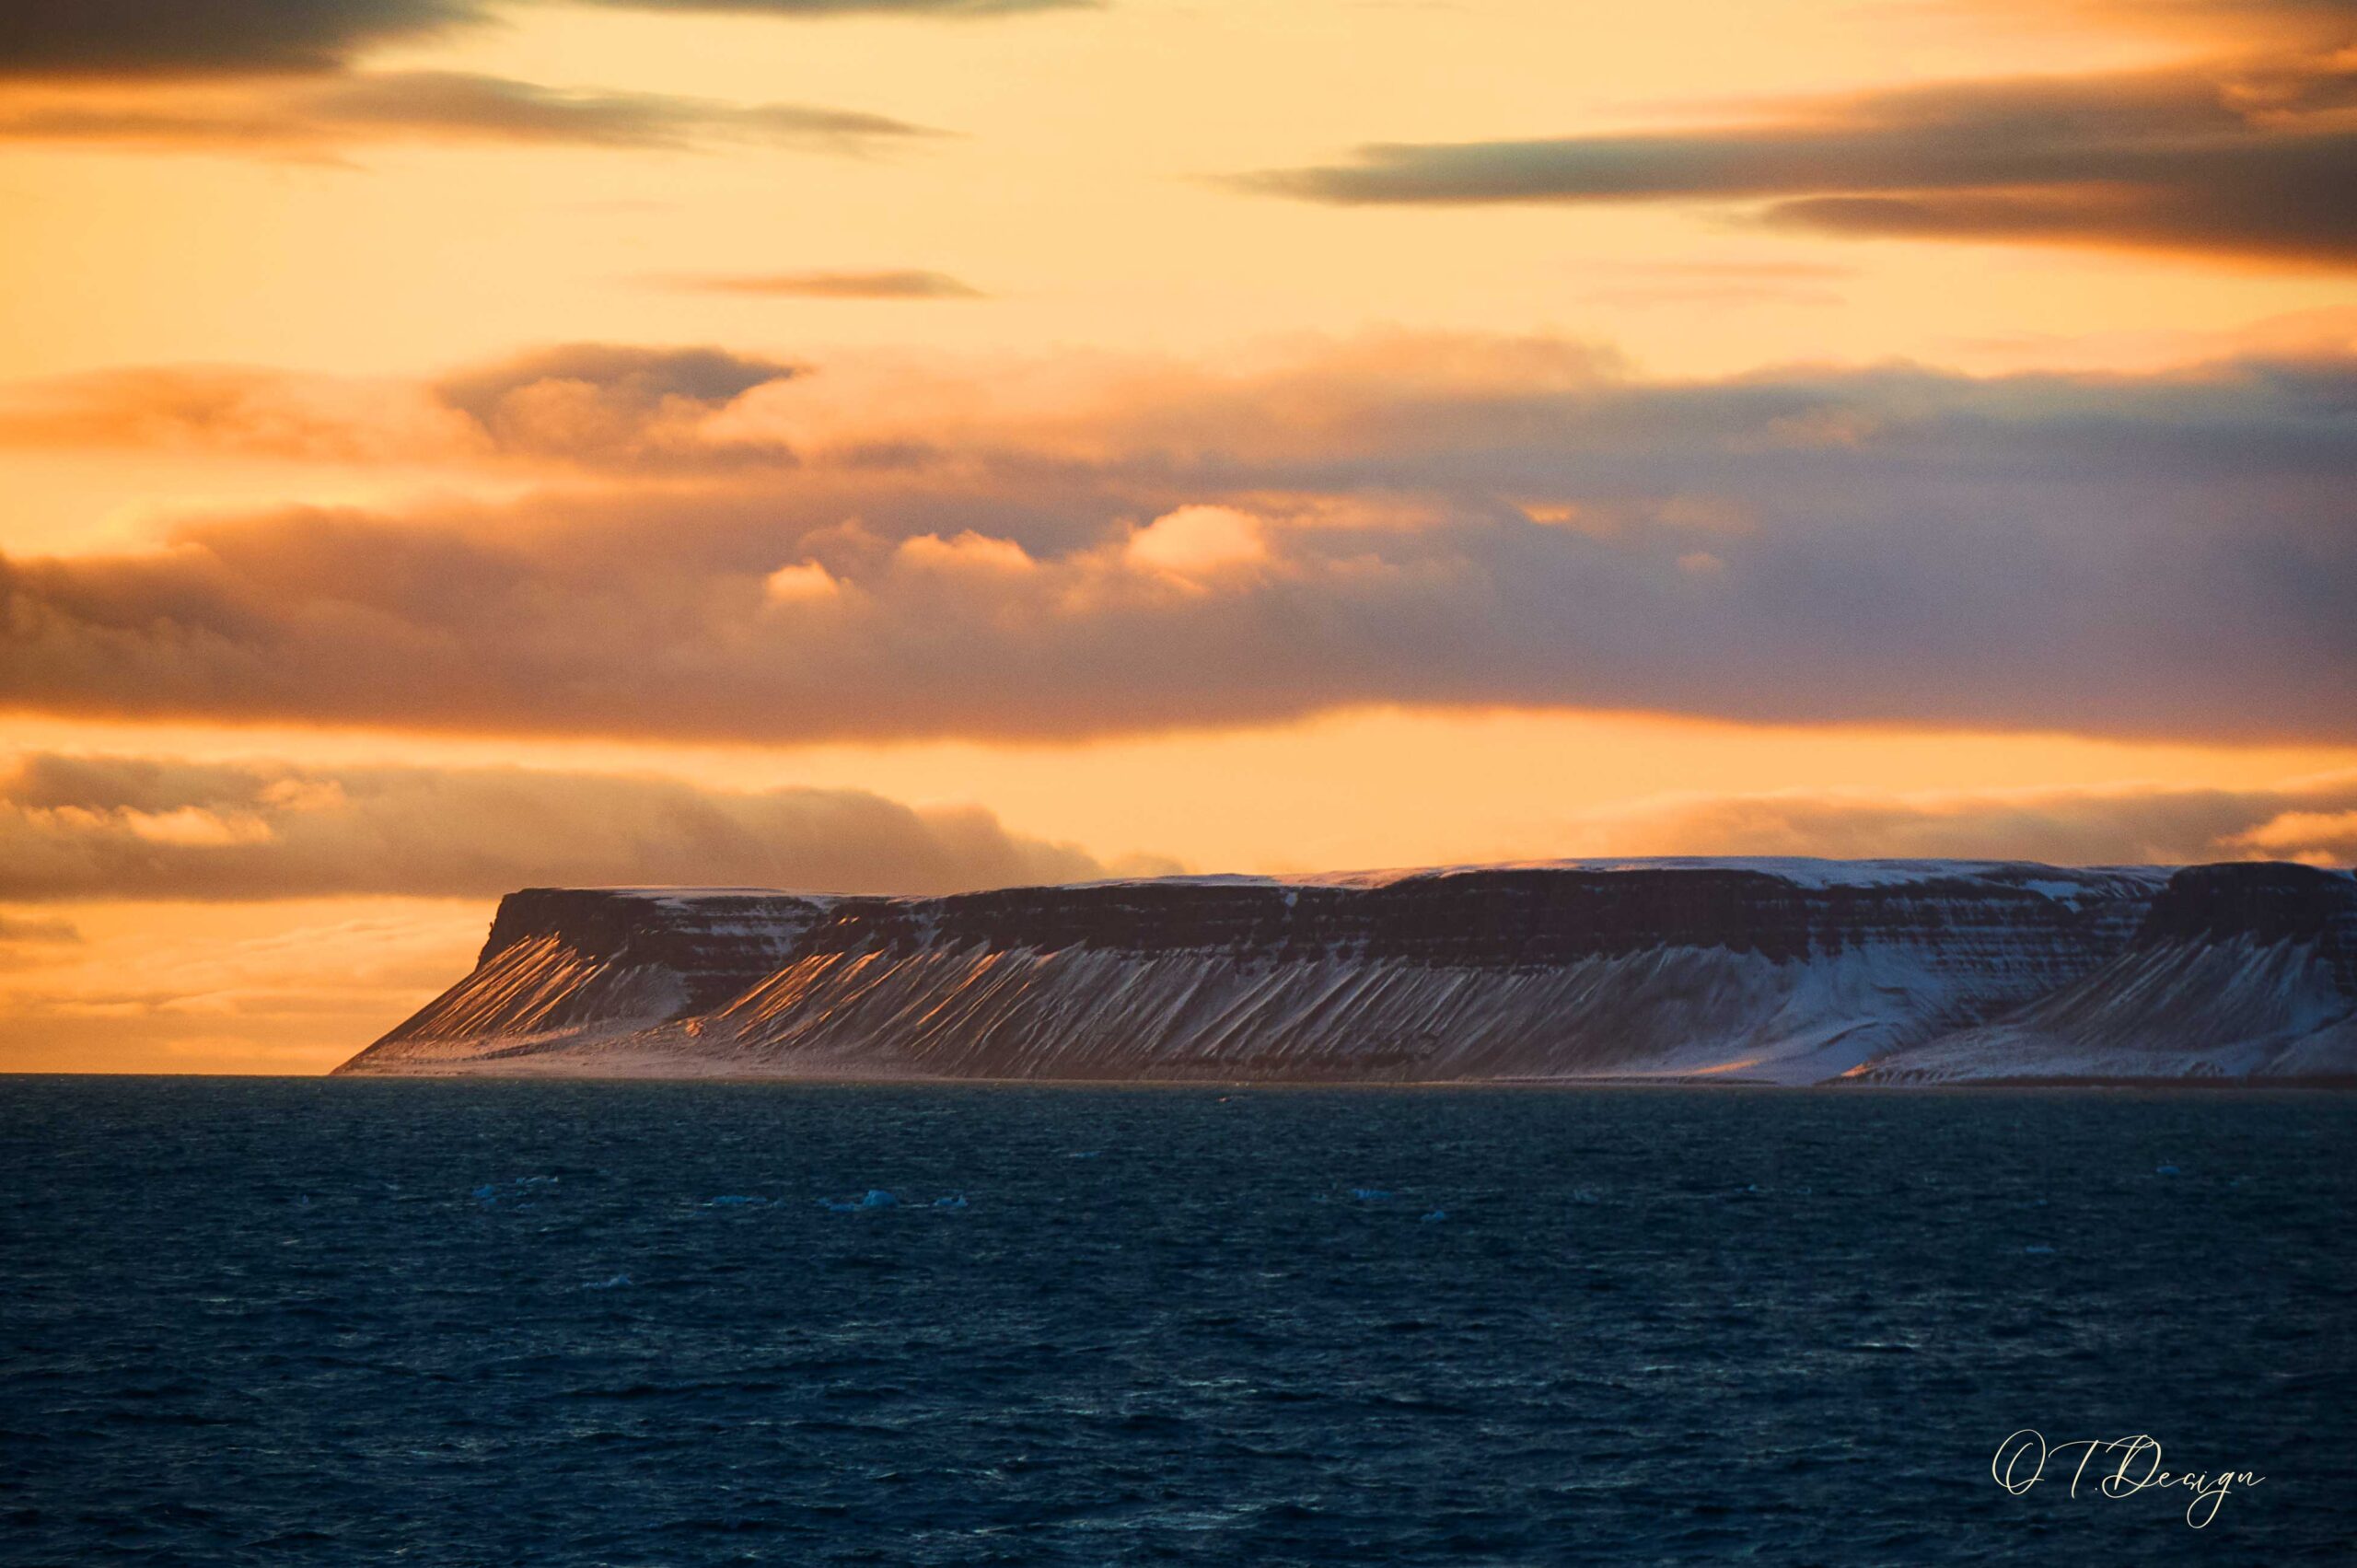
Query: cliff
pixel 2237 972
pixel 1784 972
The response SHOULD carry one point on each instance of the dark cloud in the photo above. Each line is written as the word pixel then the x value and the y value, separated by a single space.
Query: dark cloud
pixel 117 828
pixel 1422 522
pixel 316 118
pixel 2250 158
pixel 594 404
pixel 834 285
pixel 118 37
pixel 186 38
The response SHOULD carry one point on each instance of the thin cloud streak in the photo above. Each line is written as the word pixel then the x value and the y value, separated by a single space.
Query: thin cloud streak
pixel 317 119
pixel 949 10
pixel 909 285
pixel 56 932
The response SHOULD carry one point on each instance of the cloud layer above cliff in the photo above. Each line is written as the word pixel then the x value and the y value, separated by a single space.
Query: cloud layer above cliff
pixel 76 830
pixel 134 827
pixel 775 556
pixel 2314 821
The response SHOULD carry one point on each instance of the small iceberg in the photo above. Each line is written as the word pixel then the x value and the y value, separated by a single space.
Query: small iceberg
pixel 877 1198
pixel 1370 1194
pixel 616 1282
pixel 519 1187
pixel 1435 1217
pixel 2167 1170
pixel 955 1201
pixel 734 1200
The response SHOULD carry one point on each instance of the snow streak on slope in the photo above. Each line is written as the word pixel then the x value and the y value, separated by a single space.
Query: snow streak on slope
pixel 1078 1012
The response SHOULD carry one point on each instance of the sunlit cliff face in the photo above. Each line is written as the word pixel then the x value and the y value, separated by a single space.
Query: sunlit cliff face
pixel 914 445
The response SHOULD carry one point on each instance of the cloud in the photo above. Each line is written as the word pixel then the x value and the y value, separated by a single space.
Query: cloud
pixel 128 38
pixel 943 8
pixel 805 582
pixel 261 987
pixel 591 404
pixel 1430 522
pixel 2323 837
pixel 2244 157
pixel 1195 544
pixel 307 118
pixel 53 931
pixel 84 827
pixel 605 403
pixel 628 377
pixel 834 285
pixel 2315 821
pixel 2237 23
pixel 185 37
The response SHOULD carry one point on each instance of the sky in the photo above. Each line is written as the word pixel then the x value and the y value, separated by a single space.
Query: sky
pixel 921 445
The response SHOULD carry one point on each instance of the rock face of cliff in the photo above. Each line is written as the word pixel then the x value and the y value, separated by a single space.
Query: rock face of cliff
pixel 2237 972
pixel 572 965
pixel 1783 971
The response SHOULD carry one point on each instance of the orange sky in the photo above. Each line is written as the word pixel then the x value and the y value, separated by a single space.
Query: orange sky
pixel 941 449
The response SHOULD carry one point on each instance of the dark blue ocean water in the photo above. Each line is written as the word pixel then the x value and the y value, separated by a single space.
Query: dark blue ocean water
pixel 303 1322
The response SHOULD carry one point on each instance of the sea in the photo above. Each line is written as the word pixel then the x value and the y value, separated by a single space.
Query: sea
pixel 349 1322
